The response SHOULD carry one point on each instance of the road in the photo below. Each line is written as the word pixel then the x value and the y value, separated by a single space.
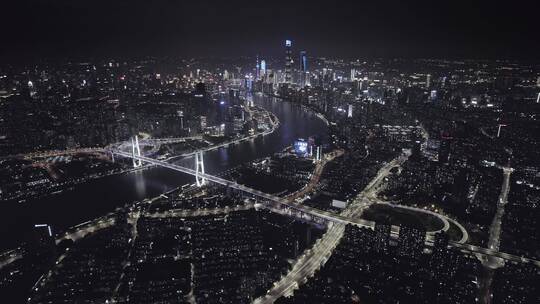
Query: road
pixel 198 212
pixel 350 216
pixel 313 259
pixel 315 177
pixel 491 262
pixel 306 265
pixel 495 228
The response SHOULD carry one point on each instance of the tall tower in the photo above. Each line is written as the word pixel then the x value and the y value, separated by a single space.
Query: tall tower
pixel 136 151
pixel 288 61
pixel 263 68
pixel 303 61
pixel 257 69
pixel 199 169
pixel 303 68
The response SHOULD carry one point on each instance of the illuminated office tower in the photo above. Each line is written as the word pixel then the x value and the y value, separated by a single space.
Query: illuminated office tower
pixel 303 68
pixel 288 61
pixel 353 75
pixel 263 68
pixel 303 61
pixel 350 111
pixel 428 81
pixel 257 69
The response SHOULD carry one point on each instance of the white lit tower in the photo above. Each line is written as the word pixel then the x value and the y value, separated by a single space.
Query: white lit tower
pixel 303 68
pixel 288 61
pixel 263 69
pixel 257 69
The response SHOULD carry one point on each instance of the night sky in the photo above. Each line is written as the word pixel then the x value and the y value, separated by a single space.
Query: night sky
pixel 74 28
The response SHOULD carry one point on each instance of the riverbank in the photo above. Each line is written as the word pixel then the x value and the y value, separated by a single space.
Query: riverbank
pixel 88 201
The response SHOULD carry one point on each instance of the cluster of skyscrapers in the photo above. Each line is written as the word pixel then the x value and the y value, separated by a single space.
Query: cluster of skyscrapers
pixel 291 74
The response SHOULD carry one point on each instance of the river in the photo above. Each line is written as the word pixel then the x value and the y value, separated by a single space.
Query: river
pixel 97 197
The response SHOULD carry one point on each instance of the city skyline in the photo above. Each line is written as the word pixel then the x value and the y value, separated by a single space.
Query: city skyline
pixel 269 153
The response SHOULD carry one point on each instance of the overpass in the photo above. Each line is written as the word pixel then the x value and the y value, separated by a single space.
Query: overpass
pixel 304 212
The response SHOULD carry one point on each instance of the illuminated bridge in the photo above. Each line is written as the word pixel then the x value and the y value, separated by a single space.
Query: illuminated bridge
pixel 274 201
pixel 304 212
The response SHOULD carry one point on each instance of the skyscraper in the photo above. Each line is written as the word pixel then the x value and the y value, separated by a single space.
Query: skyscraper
pixel 303 68
pixel 257 69
pixel 353 75
pixel 263 68
pixel 288 61
pixel 303 61
pixel 428 81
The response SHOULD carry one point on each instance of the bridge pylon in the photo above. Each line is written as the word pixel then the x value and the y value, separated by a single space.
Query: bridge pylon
pixel 199 169
pixel 135 151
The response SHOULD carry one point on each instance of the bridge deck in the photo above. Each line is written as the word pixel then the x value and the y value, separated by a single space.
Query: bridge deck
pixel 312 211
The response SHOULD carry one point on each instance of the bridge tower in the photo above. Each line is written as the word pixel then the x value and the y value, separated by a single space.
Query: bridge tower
pixel 199 169
pixel 136 151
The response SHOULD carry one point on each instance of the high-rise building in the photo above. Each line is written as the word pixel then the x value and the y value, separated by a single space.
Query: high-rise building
pixel 248 84
pixel 303 69
pixel 350 111
pixel 203 122
pixel 263 68
pixel 428 81
pixel 538 81
pixel 303 61
pixel 538 98
pixel 288 61
pixel 353 75
pixel 257 69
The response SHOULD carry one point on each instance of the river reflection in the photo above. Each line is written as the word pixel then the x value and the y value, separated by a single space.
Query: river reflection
pixel 98 197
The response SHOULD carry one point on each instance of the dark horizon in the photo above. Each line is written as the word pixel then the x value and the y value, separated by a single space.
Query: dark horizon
pixel 37 29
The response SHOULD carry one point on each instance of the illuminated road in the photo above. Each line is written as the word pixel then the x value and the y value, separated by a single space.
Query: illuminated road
pixel 349 216
pixel 306 265
pixel 491 262
pixel 315 177
pixel 11 256
pixel 198 212
pixel 53 153
pixel 313 259
pixel 495 228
